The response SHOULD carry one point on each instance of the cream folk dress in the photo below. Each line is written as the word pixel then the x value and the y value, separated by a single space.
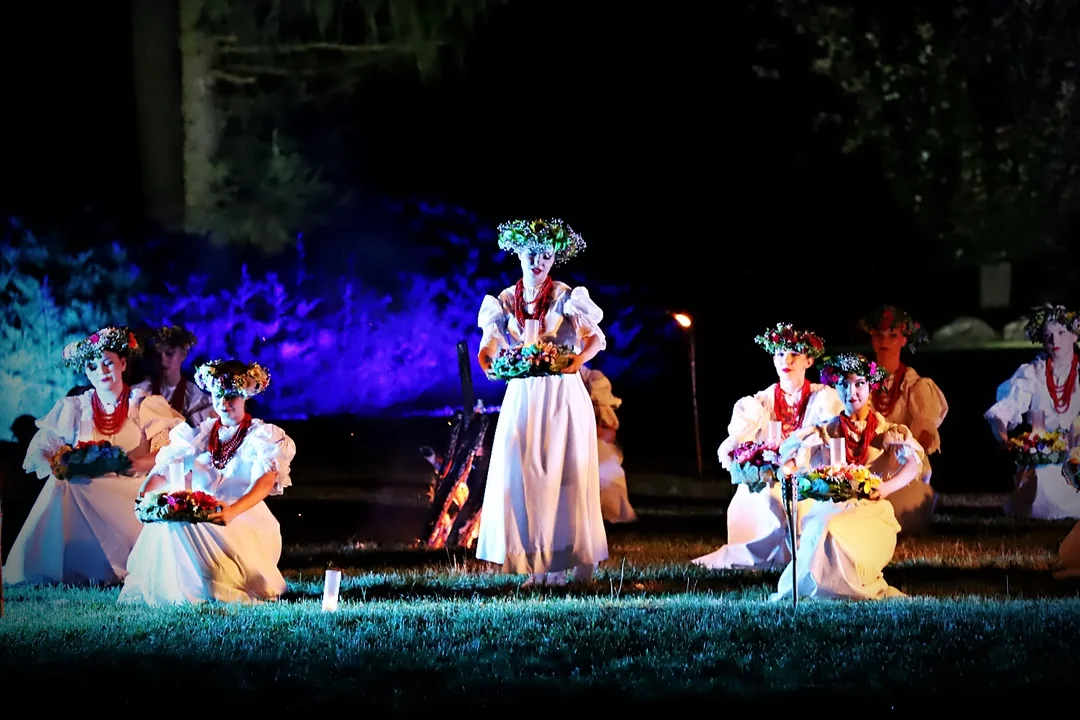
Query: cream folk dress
pixel 1026 390
pixel 178 562
pixel 541 510
pixel 756 521
pixel 614 496
pixel 920 407
pixel 843 547
pixel 81 530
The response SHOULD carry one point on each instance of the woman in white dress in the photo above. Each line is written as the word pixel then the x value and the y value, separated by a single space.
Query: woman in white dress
pixel 907 399
pixel 1069 552
pixel 239 460
pixel 81 530
pixel 614 499
pixel 1048 386
pixel 844 546
pixel 756 528
pixel 541 514
pixel 170 347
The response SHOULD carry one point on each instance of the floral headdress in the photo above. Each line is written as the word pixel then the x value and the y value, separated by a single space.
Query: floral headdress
pixel 553 236
pixel 1043 315
pixel 173 336
pixel 890 317
pixel 232 378
pixel 119 340
pixel 836 367
pixel 785 338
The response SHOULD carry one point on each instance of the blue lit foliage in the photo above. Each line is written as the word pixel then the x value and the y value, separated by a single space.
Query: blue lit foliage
pixel 333 340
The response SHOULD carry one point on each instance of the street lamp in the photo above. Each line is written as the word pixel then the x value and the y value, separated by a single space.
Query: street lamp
pixel 686 324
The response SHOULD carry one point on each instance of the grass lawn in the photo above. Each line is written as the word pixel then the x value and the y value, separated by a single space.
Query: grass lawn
pixel 418 629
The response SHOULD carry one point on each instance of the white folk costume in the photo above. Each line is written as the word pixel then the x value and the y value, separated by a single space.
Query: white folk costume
pixel 180 562
pixel 756 521
pixel 185 397
pixel 541 510
pixel 81 530
pixel 614 499
pixel 843 547
pixel 1054 391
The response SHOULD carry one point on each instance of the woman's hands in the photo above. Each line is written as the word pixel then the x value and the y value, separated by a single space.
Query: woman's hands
pixel 225 515
pixel 574 365
pixel 144 464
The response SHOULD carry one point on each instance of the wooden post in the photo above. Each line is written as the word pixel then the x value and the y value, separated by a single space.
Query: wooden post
pixel 468 392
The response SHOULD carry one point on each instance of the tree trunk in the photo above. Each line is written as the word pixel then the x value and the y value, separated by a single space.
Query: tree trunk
pixel 995 285
pixel 156 80
pixel 200 127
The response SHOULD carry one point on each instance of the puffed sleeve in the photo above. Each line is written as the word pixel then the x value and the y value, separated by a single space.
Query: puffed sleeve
pixel 748 421
pixel 824 405
pixel 185 443
pixel 57 428
pixel 1014 397
pixel 899 440
pixel 802 445
pixel 269 449
pixel 492 320
pixel 156 419
pixel 928 408
pixel 585 315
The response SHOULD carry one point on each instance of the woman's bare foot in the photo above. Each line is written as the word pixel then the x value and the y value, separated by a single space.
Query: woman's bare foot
pixel 583 573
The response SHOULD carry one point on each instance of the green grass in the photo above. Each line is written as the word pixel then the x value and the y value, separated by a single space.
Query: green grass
pixel 418 629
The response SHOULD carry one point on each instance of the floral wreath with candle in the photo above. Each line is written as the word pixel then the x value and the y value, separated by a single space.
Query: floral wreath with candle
pixel 554 236
pixel 119 340
pixel 837 367
pixel 1043 315
pixel 890 317
pixel 785 338
pixel 173 336
pixel 220 380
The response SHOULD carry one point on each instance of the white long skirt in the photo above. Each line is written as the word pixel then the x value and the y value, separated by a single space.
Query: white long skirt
pixel 176 563
pixel 78 532
pixel 843 549
pixel 541 509
pixel 757 532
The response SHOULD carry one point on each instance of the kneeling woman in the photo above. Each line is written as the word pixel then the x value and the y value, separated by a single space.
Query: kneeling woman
pixel 844 546
pixel 240 461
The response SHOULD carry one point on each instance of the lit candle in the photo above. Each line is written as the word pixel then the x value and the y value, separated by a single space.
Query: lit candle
pixel 837 451
pixel 1037 418
pixel 532 332
pixel 176 475
pixel 330 590
pixel 776 431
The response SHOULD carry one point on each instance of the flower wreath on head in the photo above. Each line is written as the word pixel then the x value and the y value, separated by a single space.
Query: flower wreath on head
pixel 890 317
pixel 785 338
pixel 221 382
pixel 1043 315
pixel 538 236
pixel 173 336
pixel 837 367
pixel 119 340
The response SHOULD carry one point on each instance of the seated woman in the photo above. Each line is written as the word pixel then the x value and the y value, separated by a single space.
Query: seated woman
pixel 170 346
pixel 756 525
pixel 614 501
pixel 844 546
pixel 80 530
pixel 1048 385
pixel 239 460
pixel 1069 552
pixel 906 398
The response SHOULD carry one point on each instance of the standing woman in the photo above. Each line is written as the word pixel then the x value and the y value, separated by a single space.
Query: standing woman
pixel 541 514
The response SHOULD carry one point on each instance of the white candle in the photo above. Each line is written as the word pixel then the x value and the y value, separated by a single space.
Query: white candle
pixel 1037 418
pixel 330 590
pixel 837 451
pixel 776 431
pixel 532 332
pixel 176 475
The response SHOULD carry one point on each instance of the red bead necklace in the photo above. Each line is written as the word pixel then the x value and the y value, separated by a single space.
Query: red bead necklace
pixel 222 452
pixel 791 416
pixel 543 302
pixel 1061 398
pixel 107 423
pixel 856 444
pixel 884 398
